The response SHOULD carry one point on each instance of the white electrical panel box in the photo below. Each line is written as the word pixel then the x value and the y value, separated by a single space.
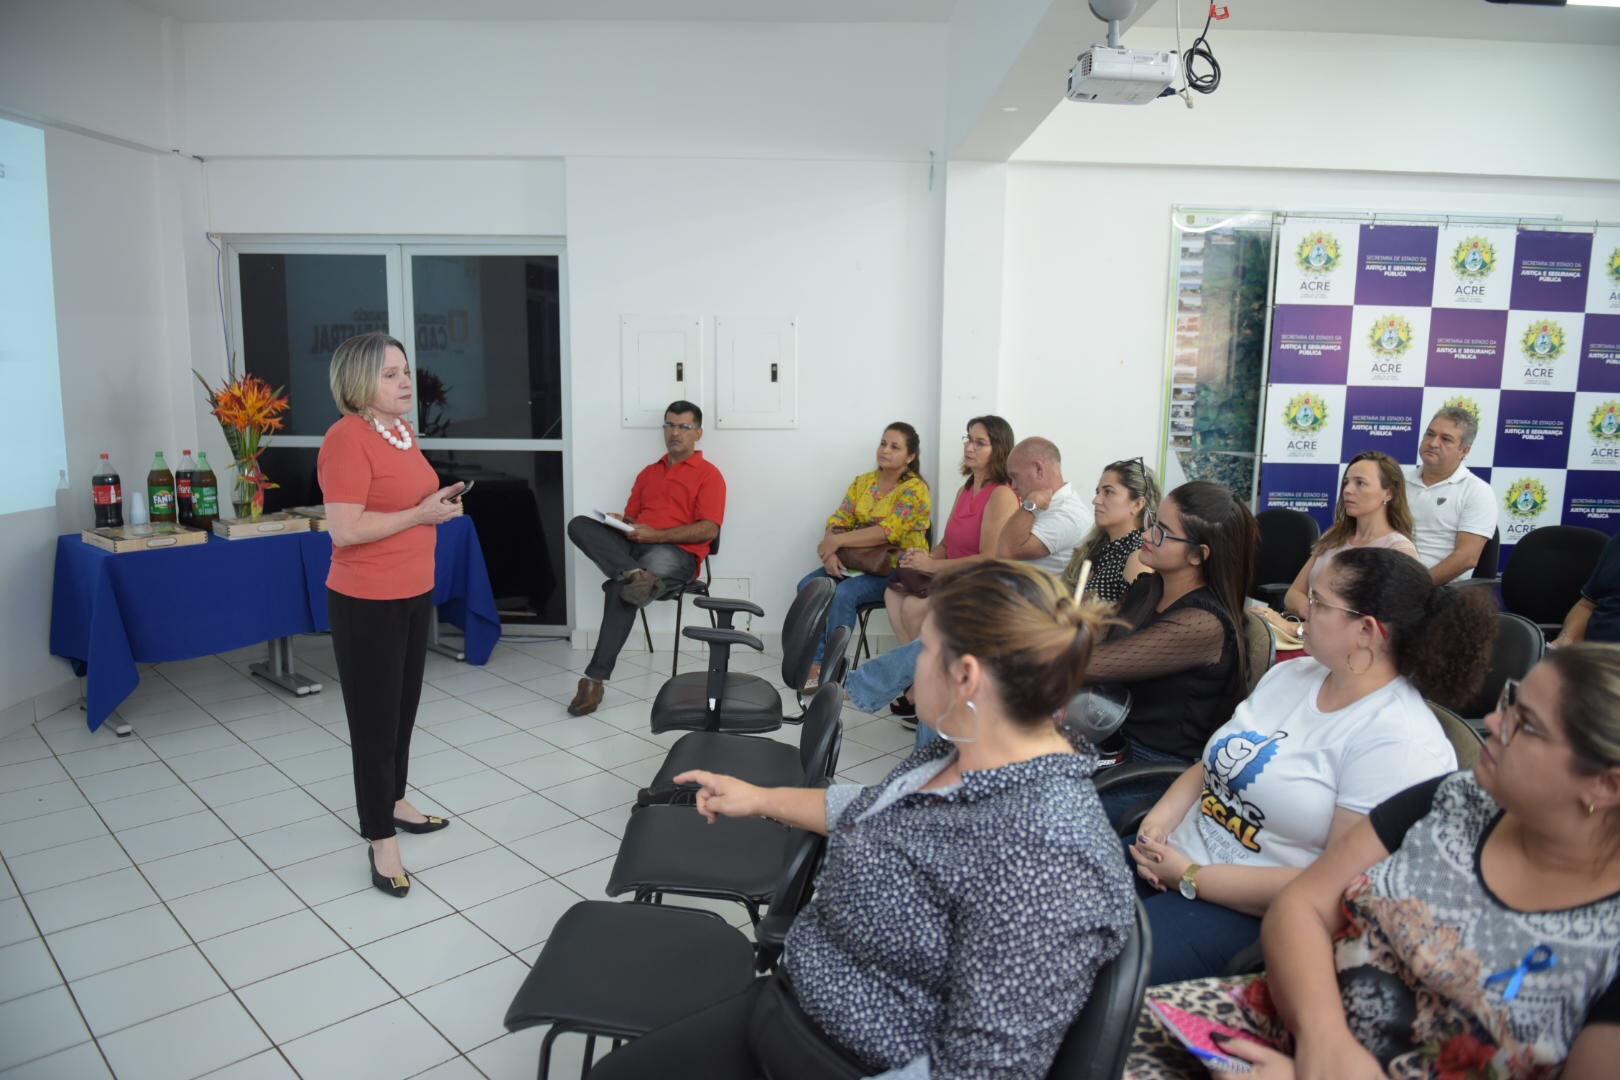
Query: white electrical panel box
pixel 660 361
pixel 756 372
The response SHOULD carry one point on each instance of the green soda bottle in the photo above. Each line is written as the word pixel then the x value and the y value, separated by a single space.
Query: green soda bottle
pixel 160 491
pixel 204 494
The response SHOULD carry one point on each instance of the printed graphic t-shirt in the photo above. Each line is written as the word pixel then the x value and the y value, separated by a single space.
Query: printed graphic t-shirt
pixel 1275 773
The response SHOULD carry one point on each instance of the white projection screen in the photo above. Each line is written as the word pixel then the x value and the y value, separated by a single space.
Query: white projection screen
pixel 33 443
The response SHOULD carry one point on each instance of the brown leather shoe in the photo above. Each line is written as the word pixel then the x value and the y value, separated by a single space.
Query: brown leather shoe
pixel 640 588
pixel 586 698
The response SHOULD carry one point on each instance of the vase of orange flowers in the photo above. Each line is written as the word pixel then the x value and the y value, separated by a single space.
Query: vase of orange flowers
pixel 248 412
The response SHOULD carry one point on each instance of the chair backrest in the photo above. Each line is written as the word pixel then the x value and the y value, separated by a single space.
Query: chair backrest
pixel 1544 575
pixel 802 629
pixel 1097 711
pixel 819 734
pixel 1099 1040
pixel 835 669
pixel 1262 646
pixel 1286 537
pixel 1518 647
pixel 1490 559
pixel 1464 739
pixel 789 895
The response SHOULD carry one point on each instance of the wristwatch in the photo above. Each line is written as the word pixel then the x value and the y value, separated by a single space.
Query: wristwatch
pixel 1029 505
pixel 1189 882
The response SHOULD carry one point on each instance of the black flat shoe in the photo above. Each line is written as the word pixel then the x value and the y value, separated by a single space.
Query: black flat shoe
pixel 432 824
pixel 393 886
pixel 903 708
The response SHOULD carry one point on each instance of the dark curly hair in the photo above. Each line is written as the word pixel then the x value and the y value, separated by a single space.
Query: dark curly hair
pixel 1440 637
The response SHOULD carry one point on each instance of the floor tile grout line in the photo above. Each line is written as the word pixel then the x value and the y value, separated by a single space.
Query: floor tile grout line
pixel 596 770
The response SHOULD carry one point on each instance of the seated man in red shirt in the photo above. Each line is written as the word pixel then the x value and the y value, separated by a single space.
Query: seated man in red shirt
pixel 676 506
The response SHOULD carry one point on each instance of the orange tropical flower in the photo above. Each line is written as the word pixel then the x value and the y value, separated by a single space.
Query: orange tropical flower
pixel 248 410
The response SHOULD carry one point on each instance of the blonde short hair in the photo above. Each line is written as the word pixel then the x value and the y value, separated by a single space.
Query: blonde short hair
pixel 356 365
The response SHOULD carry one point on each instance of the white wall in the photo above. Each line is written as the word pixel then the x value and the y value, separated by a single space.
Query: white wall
pixel 1365 103
pixel 459 89
pixel 114 260
pixel 1087 279
pixel 1301 122
pixel 96 72
pixel 850 249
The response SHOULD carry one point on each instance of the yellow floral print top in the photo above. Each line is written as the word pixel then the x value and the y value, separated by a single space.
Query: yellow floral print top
pixel 904 513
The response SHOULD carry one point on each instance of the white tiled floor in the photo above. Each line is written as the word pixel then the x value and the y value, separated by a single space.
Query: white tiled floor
pixel 194 900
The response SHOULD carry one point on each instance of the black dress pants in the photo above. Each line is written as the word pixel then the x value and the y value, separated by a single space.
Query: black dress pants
pixel 733 1040
pixel 381 649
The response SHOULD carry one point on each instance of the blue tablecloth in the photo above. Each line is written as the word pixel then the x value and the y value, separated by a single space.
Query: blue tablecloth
pixel 110 612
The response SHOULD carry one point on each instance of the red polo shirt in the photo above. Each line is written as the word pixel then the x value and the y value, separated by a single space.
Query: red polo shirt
pixel 666 495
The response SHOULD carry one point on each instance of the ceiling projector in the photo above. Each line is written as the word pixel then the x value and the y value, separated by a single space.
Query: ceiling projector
pixel 1120 76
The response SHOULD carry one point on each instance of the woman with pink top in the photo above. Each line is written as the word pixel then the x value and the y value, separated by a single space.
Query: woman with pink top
pixel 983 506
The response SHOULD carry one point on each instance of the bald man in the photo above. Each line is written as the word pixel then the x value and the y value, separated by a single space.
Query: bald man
pixel 1052 518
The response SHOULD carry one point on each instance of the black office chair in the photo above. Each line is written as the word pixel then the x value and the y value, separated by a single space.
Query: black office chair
pixel 1518 647
pixel 619 970
pixel 1546 570
pixel 695 587
pixel 863 612
pixel 1099 1041
pixel 1489 567
pixel 722 700
pixel 1262 646
pixel 1286 539
pixel 757 759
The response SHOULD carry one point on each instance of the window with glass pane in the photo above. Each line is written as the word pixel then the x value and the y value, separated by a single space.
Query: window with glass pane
pixel 295 310
pixel 488 349
pixel 517 507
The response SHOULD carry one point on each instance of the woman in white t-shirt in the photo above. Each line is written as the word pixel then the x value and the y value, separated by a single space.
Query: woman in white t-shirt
pixel 1320 742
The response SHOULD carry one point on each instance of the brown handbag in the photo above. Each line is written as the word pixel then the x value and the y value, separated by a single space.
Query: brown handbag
pixel 911 581
pixel 877 559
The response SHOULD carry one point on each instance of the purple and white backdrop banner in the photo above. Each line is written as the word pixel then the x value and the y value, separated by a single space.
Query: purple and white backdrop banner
pixel 1376 326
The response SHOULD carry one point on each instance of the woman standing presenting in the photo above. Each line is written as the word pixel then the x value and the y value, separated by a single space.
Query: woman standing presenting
pixel 382 499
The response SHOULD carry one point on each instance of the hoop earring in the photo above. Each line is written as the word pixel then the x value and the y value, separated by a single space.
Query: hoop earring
pixel 958 739
pixel 1372 658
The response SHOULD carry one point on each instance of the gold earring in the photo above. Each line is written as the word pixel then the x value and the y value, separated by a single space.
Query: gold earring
pixel 1371 659
pixel 1590 809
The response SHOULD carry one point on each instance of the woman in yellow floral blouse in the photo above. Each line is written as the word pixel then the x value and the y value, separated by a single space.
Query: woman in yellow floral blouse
pixel 889 507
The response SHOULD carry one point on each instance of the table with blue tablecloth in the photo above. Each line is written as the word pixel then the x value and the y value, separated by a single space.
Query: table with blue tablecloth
pixel 111 612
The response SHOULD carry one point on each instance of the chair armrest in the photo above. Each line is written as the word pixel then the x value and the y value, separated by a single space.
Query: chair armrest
pixel 1272 593
pixel 1137 770
pixel 727 608
pixel 720 635
pixel 771 933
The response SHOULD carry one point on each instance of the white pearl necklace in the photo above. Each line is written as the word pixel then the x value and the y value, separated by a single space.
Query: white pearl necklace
pixel 401 443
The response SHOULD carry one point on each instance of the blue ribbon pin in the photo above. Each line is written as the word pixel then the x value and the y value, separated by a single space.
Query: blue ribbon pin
pixel 1539 958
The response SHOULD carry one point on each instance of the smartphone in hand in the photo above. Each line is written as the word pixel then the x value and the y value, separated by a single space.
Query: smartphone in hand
pixel 458 495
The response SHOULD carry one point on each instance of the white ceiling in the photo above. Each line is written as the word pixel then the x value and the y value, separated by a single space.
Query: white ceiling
pixel 821 11
pixel 1418 18
pixel 1407 18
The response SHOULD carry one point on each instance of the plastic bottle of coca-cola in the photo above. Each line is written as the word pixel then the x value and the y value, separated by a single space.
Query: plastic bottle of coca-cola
pixel 107 492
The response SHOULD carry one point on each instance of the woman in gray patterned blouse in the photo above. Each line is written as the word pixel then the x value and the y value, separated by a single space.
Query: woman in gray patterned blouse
pixel 967 902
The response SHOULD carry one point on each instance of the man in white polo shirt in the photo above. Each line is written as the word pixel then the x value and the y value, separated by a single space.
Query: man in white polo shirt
pixel 1052 519
pixel 1453 511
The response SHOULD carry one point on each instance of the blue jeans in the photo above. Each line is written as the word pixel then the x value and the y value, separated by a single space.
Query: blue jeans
pixel 883 678
pixel 1133 793
pixel 1192 939
pixel 852 592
